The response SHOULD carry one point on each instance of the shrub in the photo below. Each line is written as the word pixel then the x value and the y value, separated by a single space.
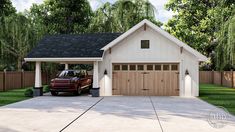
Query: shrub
pixel 28 92
pixel 46 89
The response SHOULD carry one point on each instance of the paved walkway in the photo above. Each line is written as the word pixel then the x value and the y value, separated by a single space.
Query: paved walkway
pixel 106 114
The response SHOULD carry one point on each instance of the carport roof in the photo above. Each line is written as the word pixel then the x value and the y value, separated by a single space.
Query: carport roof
pixel 72 46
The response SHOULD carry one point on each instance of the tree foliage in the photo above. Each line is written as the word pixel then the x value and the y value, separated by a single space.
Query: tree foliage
pixel 6 8
pixel 199 23
pixel 225 51
pixel 122 15
pixel 17 37
pixel 63 16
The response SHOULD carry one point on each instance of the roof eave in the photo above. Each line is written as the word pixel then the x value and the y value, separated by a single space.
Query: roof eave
pixel 64 59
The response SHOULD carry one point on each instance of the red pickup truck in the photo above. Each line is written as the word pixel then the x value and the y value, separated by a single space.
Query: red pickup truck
pixel 70 81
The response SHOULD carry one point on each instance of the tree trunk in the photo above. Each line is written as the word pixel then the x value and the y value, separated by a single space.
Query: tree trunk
pixel 19 66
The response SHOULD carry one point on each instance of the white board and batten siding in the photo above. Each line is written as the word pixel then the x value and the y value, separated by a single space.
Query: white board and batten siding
pixel 162 50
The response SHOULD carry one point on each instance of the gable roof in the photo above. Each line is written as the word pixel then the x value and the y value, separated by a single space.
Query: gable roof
pixel 72 46
pixel 162 32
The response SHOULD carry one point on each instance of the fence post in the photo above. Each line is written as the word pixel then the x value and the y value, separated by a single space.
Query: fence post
pixel 22 78
pixel 232 78
pixel 4 80
pixel 212 76
pixel 221 78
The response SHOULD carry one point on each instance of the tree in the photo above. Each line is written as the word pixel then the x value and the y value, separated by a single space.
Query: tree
pixel 6 8
pixel 122 15
pixel 63 16
pixel 225 51
pixel 17 37
pixel 198 22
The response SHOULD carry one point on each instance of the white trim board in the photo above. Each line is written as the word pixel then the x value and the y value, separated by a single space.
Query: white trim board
pixel 63 59
pixel 159 30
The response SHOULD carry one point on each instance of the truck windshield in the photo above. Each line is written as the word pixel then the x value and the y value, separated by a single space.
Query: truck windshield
pixel 68 74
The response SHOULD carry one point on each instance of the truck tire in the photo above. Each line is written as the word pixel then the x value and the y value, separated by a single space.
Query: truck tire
pixel 53 93
pixel 79 91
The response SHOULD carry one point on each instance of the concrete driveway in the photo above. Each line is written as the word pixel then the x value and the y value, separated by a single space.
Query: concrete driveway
pixel 117 113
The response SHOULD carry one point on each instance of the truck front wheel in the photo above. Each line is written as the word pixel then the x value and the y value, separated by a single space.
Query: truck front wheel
pixel 53 93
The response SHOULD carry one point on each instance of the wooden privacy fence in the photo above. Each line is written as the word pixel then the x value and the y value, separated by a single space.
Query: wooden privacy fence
pixel 20 79
pixel 224 78
pixel 14 79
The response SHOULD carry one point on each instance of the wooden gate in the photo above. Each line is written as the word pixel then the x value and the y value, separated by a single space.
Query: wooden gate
pixel 146 79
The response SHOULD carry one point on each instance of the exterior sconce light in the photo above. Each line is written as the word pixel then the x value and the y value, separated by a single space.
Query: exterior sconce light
pixel 186 72
pixel 105 72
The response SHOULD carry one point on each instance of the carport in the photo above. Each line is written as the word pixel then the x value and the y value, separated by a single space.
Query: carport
pixel 38 91
pixel 69 49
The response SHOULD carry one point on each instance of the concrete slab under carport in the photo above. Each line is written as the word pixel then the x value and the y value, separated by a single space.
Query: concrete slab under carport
pixel 43 114
pixel 118 114
pixel 180 114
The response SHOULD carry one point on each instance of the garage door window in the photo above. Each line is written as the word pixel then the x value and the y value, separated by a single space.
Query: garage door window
pixel 166 67
pixel 158 67
pixel 124 67
pixel 149 67
pixel 174 67
pixel 132 67
pixel 140 67
pixel 116 67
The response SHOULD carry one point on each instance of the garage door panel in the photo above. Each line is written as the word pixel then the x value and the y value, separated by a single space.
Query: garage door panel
pixel 124 90
pixel 149 83
pixel 132 83
pixel 140 83
pixel 166 83
pixel 115 83
pixel 175 83
pixel 158 87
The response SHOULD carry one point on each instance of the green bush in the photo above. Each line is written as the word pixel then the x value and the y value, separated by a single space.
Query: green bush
pixel 28 92
pixel 46 89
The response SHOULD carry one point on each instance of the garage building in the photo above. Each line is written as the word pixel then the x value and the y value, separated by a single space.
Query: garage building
pixel 145 60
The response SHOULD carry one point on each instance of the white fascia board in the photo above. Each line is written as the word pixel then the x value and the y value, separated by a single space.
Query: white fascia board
pixel 63 59
pixel 141 62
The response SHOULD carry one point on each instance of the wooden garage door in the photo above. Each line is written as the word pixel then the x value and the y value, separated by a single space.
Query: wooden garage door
pixel 146 79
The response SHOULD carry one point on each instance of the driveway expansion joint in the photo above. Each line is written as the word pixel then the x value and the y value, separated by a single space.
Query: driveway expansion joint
pixel 81 114
pixel 156 113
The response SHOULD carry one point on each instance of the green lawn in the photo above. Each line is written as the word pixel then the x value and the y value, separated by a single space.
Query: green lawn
pixel 219 96
pixel 12 96
pixel 15 95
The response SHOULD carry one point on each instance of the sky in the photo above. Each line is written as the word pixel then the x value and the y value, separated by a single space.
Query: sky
pixel 162 14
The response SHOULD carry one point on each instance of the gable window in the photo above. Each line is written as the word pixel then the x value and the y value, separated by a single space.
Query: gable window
pixel 144 44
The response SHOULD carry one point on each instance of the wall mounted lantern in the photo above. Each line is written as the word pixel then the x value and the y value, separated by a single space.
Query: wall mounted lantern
pixel 105 72
pixel 186 72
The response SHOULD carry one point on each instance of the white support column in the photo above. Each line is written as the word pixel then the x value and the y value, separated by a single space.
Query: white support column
pixel 66 66
pixel 95 87
pixel 95 75
pixel 38 80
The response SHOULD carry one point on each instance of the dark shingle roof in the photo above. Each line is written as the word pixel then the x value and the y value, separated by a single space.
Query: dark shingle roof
pixel 64 46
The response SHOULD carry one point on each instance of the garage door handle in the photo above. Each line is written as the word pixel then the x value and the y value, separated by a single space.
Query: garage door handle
pixel 145 72
pixel 145 89
pixel 177 89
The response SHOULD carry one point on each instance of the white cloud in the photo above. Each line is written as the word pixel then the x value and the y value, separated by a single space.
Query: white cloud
pixel 21 5
pixel 162 14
